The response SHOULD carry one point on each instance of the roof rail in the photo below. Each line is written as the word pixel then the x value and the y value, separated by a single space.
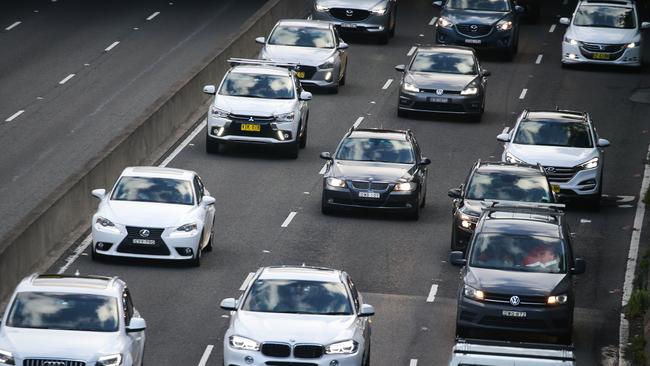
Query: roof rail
pixel 550 209
pixel 248 61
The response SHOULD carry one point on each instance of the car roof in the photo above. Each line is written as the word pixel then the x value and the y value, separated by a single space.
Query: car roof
pixel 306 273
pixel 522 169
pixel 260 70
pixel 99 285
pixel 158 172
pixel 379 133
pixel 305 23
pixel 556 116
pixel 620 3
pixel 445 49
pixel 521 223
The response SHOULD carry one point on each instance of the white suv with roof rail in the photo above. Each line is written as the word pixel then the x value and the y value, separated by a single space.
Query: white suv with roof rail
pixel 603 32
pixel 58 320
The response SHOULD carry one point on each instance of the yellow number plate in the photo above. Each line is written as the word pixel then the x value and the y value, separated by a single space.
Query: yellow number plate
pixel 250 127
pixel 555 188
pixel 300 74
pixel 601 56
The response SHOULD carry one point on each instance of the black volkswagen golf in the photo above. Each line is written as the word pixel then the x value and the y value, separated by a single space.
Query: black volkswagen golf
pixel 376 168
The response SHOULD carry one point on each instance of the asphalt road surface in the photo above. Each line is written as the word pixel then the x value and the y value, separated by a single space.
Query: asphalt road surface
pixel 401 266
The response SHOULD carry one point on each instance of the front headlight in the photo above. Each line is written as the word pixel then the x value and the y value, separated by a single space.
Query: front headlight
pixel 466 221
pixel 104 222
pixel 187 227
pixel 320 7
pixel 557 299
pixel 285 117
pixel 633 45
pixel 328 64
pixel 110 360
pixel 504 25
pixel 220 113
pixel 247 344
pixel 6 358
pixel 471 89
pixel 335 182
pixel 444 22
pixel 380 9
pixel 345 347
pixel 513 159
pixel 591 164
pixel 571 41
pixel 473 293
pixel 410 87
pixel 407 186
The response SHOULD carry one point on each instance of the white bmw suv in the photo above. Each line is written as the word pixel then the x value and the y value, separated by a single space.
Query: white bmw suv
pixel 291 315
pixel 603 32
pixel 71 321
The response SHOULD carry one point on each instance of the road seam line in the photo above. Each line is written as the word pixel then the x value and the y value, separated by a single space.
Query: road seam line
pixel 523 94
pixel 357 122
pixel 65 79
pixel 388 82
pixel 287 221
pixel 539 59
pixel 153 15
pixel 206 355
pixel 75 254
pixel 246 281
pixel 13 25
pixel 182 145
pixel 413 362
pixel 15 115
pixel 552 29
pixel 433 21
pixel 112 46
pixel 432 293
pixel 411 51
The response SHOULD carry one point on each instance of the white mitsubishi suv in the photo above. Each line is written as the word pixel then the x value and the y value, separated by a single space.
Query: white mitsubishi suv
pixel 57 320
pixel 603 32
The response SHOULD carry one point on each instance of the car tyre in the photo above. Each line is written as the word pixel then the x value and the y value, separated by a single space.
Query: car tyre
pixel 414 213
pixel 209 247
pixel 461 332
pixel 366 362
pixel 424 200
pixel 565 338
pixel 454 241
pixel 392 23
pixel 96 257
pixel 211 146
pixel 196 260
pixel 476 118
pixel 345 73
pixel 303 138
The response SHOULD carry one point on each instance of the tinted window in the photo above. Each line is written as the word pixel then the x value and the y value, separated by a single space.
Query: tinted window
pixel 376 149
pixel 302 37
pixel 486 5
pixel 604 16
pixel 81 312
pixel 257 86
pixel 508 186
pixel 445 63
pixel 161 190
pixel 518 253
pixel 300 297
pixel 568 134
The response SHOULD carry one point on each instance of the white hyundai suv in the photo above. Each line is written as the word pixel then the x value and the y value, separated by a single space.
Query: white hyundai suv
pixel 603 32
pixel 297 315
pixel 566 145
pixel 71 321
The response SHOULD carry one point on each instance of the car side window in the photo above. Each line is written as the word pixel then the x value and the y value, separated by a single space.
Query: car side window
pixel 355 293
pixel 198 187
pixel 127 303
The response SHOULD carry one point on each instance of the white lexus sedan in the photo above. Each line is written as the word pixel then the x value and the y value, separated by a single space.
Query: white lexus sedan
pixel 290 315
pixel 154 213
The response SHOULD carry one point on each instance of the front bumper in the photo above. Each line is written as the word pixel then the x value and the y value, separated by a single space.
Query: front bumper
pixel 321 78
pixel 576 54
pixel 226 130
pixel 426 101
pixel 493 40
pixel 236 357
pixel 387 200
pixel 371 24
pixel 584 183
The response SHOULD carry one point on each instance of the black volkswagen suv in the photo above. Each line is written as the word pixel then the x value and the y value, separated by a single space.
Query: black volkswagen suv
pixel 517 276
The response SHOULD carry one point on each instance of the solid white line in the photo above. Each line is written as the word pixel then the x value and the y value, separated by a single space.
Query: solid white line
pixel 287 221
pixel 13 26
pixel 153 15
pixel 13 116
pixel 185 142
pixel 246 281
pixel 75 254
pixel 523 94
pixel 388 82
pixel 414 362
pixel 322 170
pixel 433 21
pixel 432 293
pixel 411 51
pixel 357 122
pixel 552 29
pixel 631 262
pixel 65 79
pixel 112 46
pixel 539 59
pixel 206 355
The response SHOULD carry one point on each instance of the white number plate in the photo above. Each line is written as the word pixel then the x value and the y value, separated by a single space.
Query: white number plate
pixel 369 194
pixel 473 41
pixel 516 314
pixel 144 241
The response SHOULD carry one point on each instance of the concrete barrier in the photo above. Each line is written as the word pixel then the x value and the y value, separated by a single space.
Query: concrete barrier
pixel 70 206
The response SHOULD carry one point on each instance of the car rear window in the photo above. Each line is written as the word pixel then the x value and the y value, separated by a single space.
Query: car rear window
pixel 552 133
pixel 508 186
pixel 376 149
pixel 604 16
pixel 160 190
pixel 444 62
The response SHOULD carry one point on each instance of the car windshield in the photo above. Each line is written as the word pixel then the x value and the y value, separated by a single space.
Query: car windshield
pixel 160 190
pixel 302 37
pixel 552 133
pixel 64 311
pixel 604 16
pixel 485 5
pixel 525 253
pixel 444 62
pixel 376 149
pixel 298 297
pixel 238 84
pixel 508 186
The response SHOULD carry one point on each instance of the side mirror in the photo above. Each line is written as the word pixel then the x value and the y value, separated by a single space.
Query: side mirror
pixel 520 9
pixel 455 193
pixel 305 95
pixel 343 46
pixel 603 143
pixel 457 258
pixel 503 137
pixel 207 200
pixel 579 266
pixel 486 73
pixel 565 21
pixel 99 193
pixel 229 304
pixel 136 325
pixel 645 25
pixel 326 155
pixel 400 68
pixel 210 89
pixel 425 161
pixel 260 40
pixel 367 310
pixel 437 3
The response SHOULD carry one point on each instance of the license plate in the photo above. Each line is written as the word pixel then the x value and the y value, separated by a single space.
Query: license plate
pixel 300 74
pixel 555 188
pixel 473 41
pixel 348 25
pixel 601 56
pixel 250 128
pixel 368 194
pixel 515 314
pixel 144 241
pixel 437 100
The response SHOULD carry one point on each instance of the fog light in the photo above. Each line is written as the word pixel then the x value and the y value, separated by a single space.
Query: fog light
pixel 103 246
pixel 573 56
pixel 334 363
pixel 249 359
pixel 221 130
pixel 328 76
pixel 185 251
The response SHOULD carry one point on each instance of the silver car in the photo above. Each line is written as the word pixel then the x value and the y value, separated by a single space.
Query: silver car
pixel 374 17
pixel 567 146
pixel 258 103
pixel 297 315
pixel 314 46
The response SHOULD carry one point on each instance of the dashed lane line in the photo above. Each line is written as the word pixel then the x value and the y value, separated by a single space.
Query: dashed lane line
pixel 65 79
pixel 523 94
pixel 111 46
pixel 287 221
pixel 150 17
pixel 388 82
pixel 414 362
pixel 432 293
pixel 15 115
pixel 552 29
pixel 13 25
pixel 539 59
pixel 206 355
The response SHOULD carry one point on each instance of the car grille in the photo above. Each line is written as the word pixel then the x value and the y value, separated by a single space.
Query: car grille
pixel 276 349
pixel 48 362
pixel 525 300
pixel 559 174
pixel 361 184
pixel 433 91
pixel 239 118
pixel 439 107
pixel 127 245
pixel 474 30
pixel 308 351
pixel 285 363
pixel 234 128
pixel 344 14
pixel 615 51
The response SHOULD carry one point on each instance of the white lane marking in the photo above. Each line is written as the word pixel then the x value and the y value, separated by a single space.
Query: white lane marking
pixel 75 254
pixel 624 199
pixel 112 46
pixel 552 29
pixel 625 206
pixel 206 355
pixel 13 116
pixel 153 15
pixel 523 94
pixel 539 59
pixel 65 79
pixel 631 261
pixel 411 51
pixel 433 20
pixel 185 142
pixel 414 362
pixel 358 122
pixel 287 221
pixel 432 293
pixel 585 221
pixel 246 281
pixel 322 170
pixel 13 25
pixel 388 82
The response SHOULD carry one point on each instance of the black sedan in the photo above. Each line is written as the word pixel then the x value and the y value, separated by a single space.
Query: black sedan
pixel 376 168
pixel 443 79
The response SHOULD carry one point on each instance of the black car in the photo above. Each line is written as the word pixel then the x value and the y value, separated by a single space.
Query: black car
pixel 494 181
pixel 518 275
pixel 376 168
pixel 443 79
pixel 480 23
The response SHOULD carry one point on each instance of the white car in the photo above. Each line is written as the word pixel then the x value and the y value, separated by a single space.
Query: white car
pixel 291 315
pixel 154 213
pixel 603 32
pixel 56 320
pixel 258 103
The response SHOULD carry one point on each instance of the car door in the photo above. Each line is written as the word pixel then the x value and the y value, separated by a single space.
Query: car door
pixel 137 338
pixel 206 213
